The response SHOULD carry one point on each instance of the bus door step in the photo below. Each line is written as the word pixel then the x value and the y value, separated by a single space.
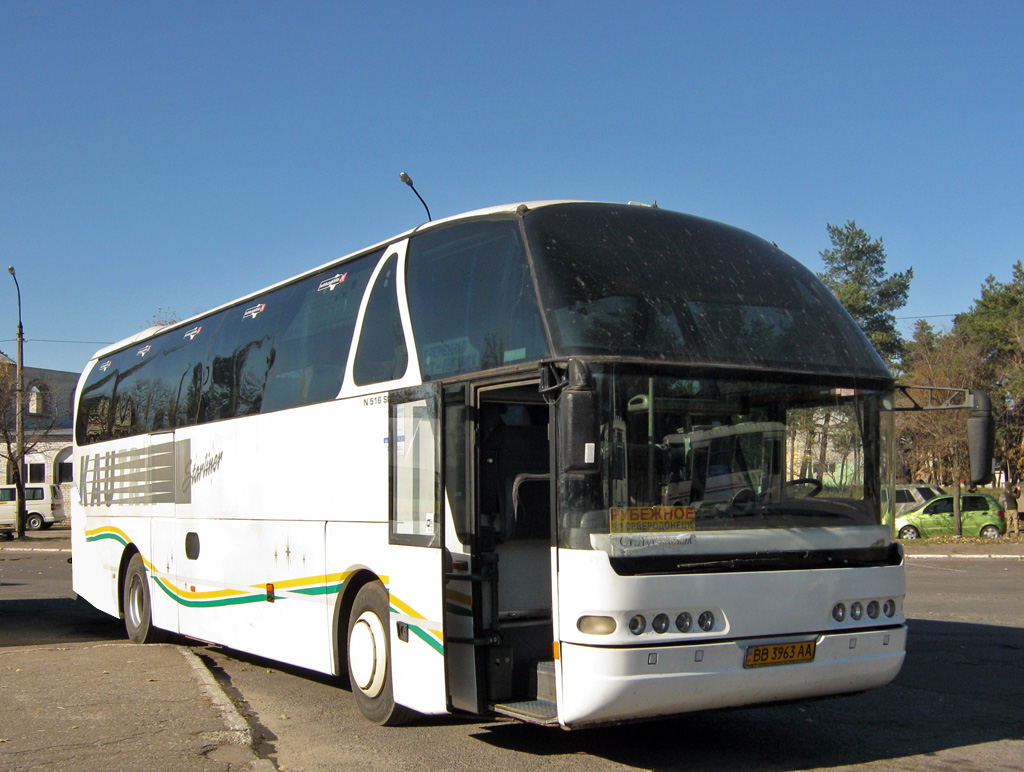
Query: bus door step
pixel 531 711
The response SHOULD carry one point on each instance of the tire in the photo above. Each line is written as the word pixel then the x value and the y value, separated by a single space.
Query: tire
pixel 138 610
pixel 369 658
pixel 34 522
pixel 909 532
pixel 989 532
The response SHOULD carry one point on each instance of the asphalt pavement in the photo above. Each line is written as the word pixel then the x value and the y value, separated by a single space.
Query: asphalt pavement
pixel 117 706
pixel 105 706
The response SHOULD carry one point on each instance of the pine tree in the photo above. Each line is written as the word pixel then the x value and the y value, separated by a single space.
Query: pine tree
pixel 855 272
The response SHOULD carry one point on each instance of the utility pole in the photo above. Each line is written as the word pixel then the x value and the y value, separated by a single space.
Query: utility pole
pixel 20 415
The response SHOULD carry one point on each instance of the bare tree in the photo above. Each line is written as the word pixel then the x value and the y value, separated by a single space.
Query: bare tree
pixel 932 442
pixel 164 317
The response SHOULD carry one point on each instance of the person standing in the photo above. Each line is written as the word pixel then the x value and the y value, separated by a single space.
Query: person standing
pixel 1012 516
pixel 1008 500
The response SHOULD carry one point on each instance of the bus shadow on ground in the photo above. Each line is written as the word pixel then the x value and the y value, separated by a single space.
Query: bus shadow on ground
pixel 959 687
pixel 47 621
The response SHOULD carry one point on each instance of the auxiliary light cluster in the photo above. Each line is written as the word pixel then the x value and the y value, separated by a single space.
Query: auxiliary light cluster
pixel 659 622
pixel 858 610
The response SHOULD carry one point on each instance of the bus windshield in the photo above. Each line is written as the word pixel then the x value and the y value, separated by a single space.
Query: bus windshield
pixel 713 465
pixel 645 283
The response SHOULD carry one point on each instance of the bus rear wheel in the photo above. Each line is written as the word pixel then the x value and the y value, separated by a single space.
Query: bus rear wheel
pixel 369 658
pixel 138 610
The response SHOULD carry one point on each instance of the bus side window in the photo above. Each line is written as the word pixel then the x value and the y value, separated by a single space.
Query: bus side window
pixel 92 424
pixel 313 339
pixel 242 355
pixel 382 354
pixel 471 299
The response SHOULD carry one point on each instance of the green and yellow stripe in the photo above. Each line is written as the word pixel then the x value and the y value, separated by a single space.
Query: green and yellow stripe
pixel 311 586
pixel 433 638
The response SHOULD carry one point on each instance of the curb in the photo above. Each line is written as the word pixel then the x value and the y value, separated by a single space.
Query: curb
pixel 239 731
pixel 951 556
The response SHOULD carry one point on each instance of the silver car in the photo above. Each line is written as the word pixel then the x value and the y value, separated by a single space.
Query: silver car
pixel 914 495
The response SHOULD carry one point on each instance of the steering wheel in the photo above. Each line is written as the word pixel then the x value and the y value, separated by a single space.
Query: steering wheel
pixel 807 481
pixel 743 499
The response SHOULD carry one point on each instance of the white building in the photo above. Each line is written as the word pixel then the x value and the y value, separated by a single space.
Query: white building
pixel 48 420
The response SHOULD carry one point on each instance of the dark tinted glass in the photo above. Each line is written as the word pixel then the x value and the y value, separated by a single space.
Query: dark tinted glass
pixel 151 386
pixel 92 423
pixel 382 354
pixel 282 350
pixel 974 504
pixel 314 336
pixel 471 299
pixel 134 399
pixel 637 281
pixel 172 385
pixel 242 355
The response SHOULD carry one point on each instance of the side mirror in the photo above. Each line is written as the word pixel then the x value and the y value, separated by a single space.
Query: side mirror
pixel 579 434
pixel 980 437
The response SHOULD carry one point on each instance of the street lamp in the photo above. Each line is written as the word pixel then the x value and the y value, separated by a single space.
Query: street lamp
pixel 20 414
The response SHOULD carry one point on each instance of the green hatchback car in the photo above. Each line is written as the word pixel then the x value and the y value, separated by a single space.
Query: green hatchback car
pixel 980 515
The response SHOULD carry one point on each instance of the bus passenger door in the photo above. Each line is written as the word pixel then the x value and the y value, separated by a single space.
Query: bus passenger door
pixel 470 573
pixel 415 582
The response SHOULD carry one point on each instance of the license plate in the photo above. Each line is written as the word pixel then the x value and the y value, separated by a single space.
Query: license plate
pixel 779 654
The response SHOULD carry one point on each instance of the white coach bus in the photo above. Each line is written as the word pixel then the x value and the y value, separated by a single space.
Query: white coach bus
pixel 437 468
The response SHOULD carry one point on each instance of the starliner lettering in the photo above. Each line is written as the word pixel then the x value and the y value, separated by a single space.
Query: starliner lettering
pixel 655 540
pixel 205 468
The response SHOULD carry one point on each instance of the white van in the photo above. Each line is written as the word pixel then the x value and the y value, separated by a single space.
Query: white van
pixel 43 503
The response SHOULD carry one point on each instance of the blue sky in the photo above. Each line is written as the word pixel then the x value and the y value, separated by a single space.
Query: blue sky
pixel 178 155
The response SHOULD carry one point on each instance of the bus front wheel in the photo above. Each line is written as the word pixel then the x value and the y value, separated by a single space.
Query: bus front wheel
pixel 369 657
pixel 138 611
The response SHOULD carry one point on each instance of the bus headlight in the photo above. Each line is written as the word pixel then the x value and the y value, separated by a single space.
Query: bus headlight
pixel 684 622
pixel 856 611
pixel 637 624
pixel 873 609
pixel 839 612
pixel 706 621
pixel 889 608
pixel 596 625
pixel 660 623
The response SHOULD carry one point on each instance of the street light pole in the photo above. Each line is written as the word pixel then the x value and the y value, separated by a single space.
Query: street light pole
pixel 20 414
